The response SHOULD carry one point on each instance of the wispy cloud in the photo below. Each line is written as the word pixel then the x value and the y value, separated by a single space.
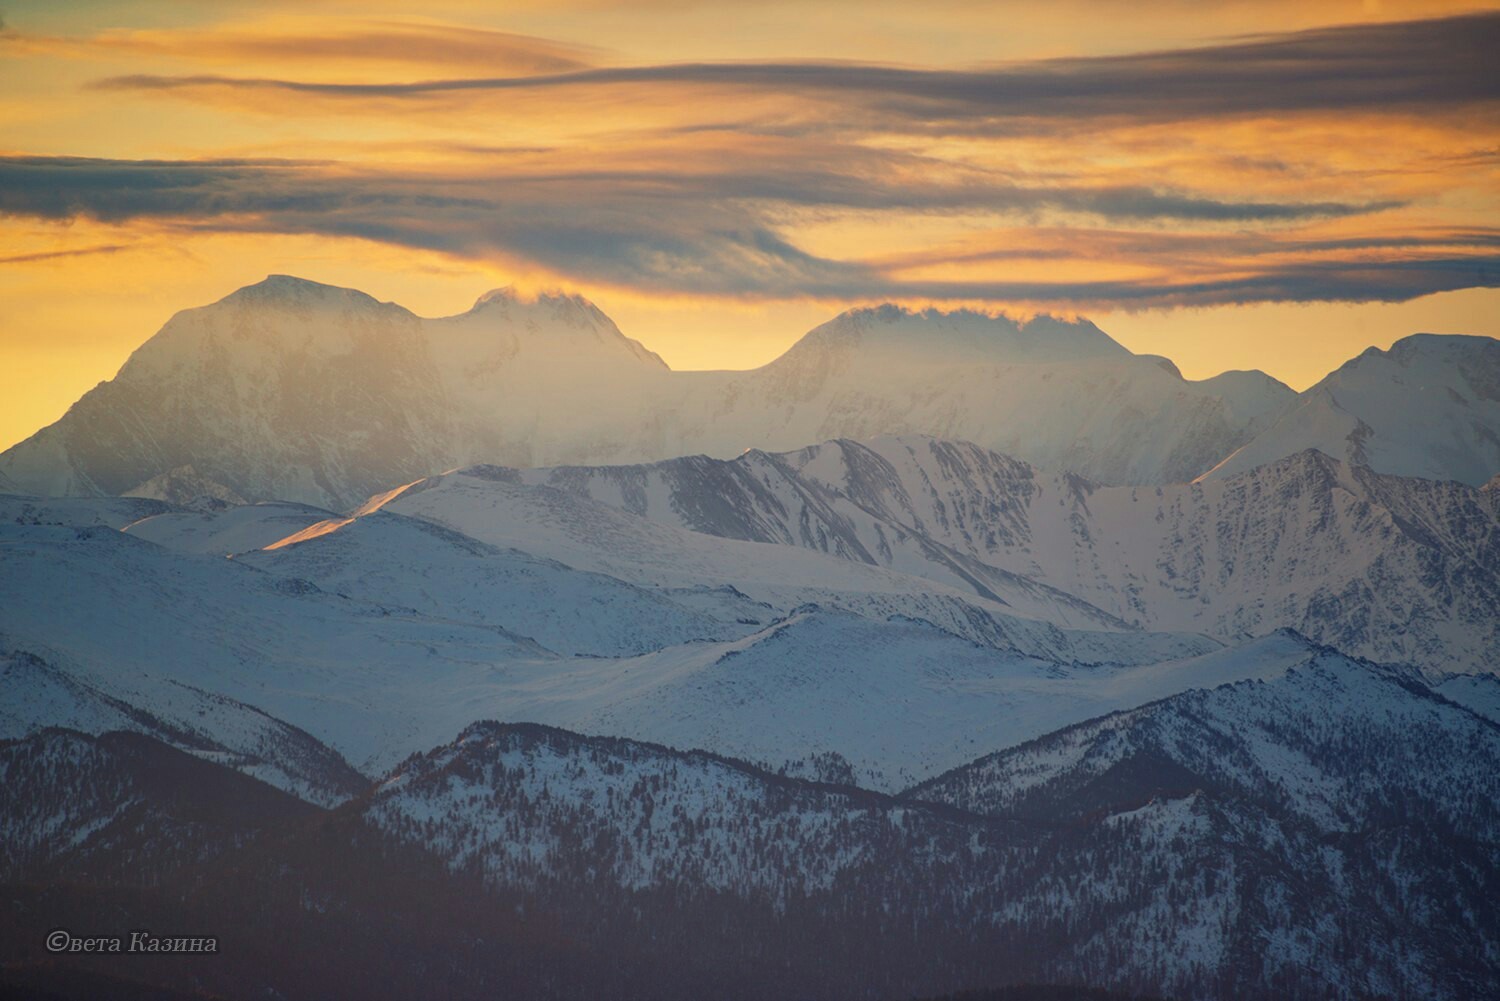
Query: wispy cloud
pixel 1441 63
pixel 54 255
pixel 314 42
pixel 1232 173
pixel 702 232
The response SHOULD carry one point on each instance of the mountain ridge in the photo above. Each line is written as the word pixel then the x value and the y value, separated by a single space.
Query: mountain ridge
pixel 1429 407
pixel 293 390
pixel 1305 542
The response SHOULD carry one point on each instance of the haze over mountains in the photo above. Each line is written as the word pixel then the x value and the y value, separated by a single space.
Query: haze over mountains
pixel 975 652
pixel 292 390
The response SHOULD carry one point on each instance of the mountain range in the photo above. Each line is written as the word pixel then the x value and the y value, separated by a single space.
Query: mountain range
pixel 436 658
pixel 1329 833
pixel 296 391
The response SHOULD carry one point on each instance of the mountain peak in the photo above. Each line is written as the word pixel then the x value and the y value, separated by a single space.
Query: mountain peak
pixel 1429 406
pixel 562 327
pixel 555 298
pixel 504 294
pixel 1164 363
pixel 959 335
pixel 290 290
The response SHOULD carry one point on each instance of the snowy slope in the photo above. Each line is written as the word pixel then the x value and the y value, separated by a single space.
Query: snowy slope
pixel 759 497
pixel 492 505
pixel 292 390
pixel 139 623
pixel 375 633
pixel 1243 841
pixel 408 563
pixel 1274 737
pixel 228 530
pixel 115 512
pixel 1478 693
pixel 886 704
pixel 1278 809
pixel 1400 570
pixel 1061 395
pixel 38 695
pixel 1428 407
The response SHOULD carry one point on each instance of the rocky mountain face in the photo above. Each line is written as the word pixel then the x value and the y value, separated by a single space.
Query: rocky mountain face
pixel 291 390
pixel 1397 569
pixel 1428 407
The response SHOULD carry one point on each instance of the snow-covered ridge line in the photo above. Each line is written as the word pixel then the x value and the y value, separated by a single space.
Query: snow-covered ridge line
pixel 1307 542
pixel 1429 407
pixel 297 391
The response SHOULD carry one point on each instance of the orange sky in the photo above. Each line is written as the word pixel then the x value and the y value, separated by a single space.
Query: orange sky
pixel 1233 184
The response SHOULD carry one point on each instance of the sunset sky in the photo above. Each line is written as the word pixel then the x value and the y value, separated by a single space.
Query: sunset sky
pixel 1265 184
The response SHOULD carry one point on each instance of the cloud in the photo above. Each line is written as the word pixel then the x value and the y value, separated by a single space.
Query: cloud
pixel 702 232
pixel 332 43
pixel 1440 63
pixel 850 177
pixel 1183 249
pixel 52 255
pixel 1317 281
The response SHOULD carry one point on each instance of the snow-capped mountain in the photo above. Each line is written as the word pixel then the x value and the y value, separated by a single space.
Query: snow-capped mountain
pixel 373 634
pixel 1242 841
pixel 492 505
pixel 203 724
pixel 1275 810
pixel 291 390
pixel 756 498
pixel 1399 570
pixel 955 717
pixel 148 627
pixel 1306 543
pixel 1156 812
pixel 1062 395
pixel 1428 407
pixel 1328 832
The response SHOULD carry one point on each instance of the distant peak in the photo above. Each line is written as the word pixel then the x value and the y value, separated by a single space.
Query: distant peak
pixel 960 335
pixel 292 290
pixel 1164 363
pixel 1414 347
pixel 556 298
pixel 506 294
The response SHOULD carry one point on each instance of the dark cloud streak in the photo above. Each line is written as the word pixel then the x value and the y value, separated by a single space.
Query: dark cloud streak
pixel 53 255
pixel 1440 63
pixel 669 233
